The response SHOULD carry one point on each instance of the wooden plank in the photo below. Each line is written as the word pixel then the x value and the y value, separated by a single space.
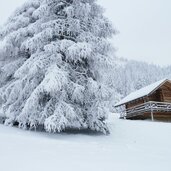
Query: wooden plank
pixel 133 104
pixel 157 116
pixel 150 108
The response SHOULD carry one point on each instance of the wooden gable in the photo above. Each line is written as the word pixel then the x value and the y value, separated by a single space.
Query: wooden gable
pixel 162 94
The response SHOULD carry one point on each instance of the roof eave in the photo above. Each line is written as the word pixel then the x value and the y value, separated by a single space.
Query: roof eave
pixel 120 104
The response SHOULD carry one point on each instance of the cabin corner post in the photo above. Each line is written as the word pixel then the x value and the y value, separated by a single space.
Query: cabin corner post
pixel 152 113
pixel 125 111
pixel 122 112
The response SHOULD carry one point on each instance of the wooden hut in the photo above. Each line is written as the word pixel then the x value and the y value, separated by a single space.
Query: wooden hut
pixel 153 101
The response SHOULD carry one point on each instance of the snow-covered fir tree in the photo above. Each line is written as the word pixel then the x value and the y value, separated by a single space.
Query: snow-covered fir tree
pixel 52 59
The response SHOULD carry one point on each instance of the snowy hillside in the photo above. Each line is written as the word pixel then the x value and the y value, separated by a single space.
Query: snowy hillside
pixel 132 146
pixel 132 75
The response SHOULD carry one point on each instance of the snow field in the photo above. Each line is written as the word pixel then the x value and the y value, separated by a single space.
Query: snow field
pixel 131 146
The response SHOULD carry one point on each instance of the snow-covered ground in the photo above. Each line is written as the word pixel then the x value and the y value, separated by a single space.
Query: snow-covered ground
pixel 132 146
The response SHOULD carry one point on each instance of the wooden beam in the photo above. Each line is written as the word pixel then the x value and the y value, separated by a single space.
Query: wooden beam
pixel 152 115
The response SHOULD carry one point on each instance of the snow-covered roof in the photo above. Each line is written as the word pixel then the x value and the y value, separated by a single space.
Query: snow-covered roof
pixel 142 92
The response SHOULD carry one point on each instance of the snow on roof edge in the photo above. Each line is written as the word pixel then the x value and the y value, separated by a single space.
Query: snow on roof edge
pixel 142 92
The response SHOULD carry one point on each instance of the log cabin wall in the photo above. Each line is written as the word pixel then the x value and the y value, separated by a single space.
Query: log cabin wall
pixel 163 94
pixel 134 103
pixel 156 96
pixel 166 92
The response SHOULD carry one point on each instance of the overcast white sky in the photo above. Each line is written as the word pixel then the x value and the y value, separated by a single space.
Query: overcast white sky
pixel 144 26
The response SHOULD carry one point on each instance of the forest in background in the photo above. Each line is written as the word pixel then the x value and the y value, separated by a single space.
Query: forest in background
pixel 130 75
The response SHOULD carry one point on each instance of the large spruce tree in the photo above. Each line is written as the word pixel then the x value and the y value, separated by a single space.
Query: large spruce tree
pixel 53 53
